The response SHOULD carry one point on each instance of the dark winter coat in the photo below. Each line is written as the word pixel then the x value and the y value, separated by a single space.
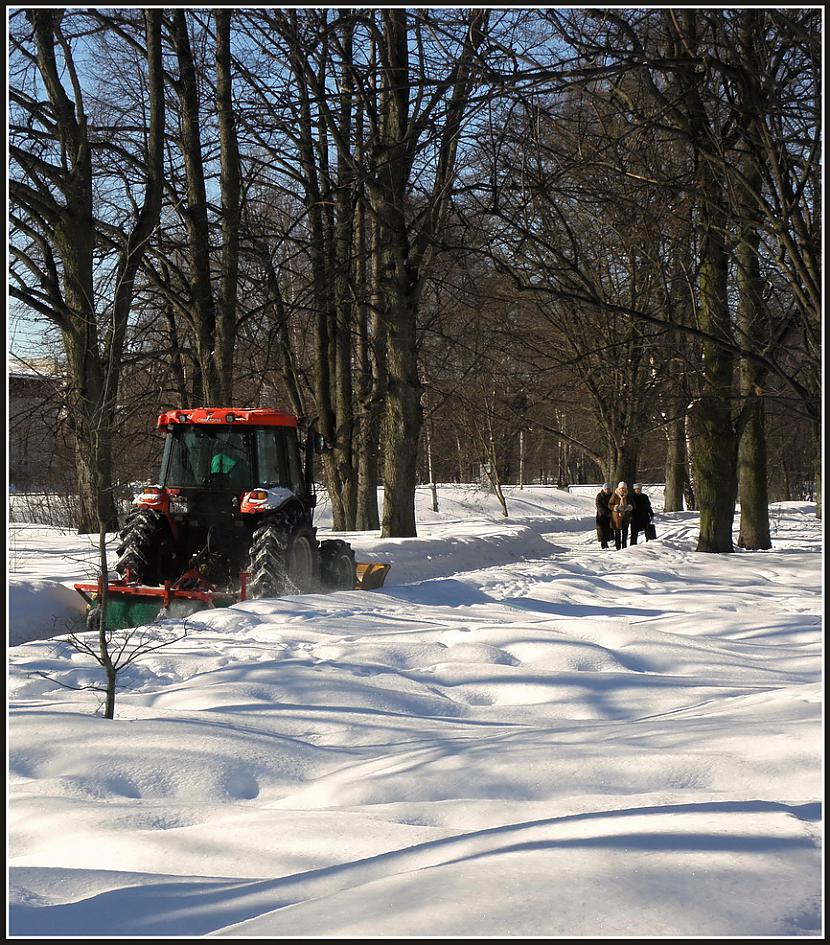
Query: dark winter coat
pixel 603 516
pixel 620 506
pixel 643 513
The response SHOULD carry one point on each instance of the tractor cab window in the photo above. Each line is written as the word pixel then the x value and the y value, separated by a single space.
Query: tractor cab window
pixel 208 457
pixel 278 458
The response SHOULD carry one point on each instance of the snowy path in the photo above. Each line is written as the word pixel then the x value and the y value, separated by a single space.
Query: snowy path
pixel 584 744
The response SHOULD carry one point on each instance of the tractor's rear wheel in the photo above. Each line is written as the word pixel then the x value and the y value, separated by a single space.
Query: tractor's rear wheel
pixel 337 565
pixel 283 557
pixel 147 549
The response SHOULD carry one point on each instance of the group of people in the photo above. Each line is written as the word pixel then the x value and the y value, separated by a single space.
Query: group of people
pixel 619 510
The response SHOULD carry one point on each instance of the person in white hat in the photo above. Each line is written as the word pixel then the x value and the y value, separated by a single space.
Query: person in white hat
pixel 604 532
pixel 621 509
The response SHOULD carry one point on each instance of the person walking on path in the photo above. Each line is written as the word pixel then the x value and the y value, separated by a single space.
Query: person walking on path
pixel 604 534
pixel 621 509
pixel 643 515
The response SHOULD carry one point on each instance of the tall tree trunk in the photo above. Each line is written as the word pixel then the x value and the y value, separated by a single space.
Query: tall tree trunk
pixel 230 182
pixel 752 447
pixel 715 442
pixel 345 471
pixel 404 265
pixel 196 216
pixel 715 453
pixel 372 359
pixel 678 305
pixel 401 428
pixel 330 252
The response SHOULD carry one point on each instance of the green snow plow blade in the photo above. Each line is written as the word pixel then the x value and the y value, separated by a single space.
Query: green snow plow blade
pixel 134 605
pixel 130 604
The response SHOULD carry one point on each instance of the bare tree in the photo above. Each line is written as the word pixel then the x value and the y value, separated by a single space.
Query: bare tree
pixel 115 650
pixel 71 265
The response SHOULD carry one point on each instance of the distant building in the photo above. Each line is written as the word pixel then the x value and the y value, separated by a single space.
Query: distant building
pixel 37 454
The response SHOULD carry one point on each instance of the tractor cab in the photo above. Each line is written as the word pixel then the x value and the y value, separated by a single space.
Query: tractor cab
pixel 233 458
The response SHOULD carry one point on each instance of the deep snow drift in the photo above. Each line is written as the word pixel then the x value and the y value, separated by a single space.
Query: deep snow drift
pixel 520 735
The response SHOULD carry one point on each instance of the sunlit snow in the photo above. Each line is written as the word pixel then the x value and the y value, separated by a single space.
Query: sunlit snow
pixel 520 735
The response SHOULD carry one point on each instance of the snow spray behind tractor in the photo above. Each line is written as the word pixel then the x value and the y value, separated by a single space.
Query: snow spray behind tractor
pixel 230 519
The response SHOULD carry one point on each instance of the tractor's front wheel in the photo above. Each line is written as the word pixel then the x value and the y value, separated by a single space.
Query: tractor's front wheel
pixel 147 549
pixel 139 538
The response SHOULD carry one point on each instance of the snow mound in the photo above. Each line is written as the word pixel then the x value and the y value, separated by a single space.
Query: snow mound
pixel 39 609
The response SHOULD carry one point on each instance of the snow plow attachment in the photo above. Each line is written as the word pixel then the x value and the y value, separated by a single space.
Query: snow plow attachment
pixel 370 575
pixel 133 605
pixel 130 604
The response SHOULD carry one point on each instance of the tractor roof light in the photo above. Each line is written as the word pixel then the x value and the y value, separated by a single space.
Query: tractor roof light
pixel 229 418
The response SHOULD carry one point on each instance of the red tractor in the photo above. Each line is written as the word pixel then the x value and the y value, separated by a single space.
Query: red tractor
pixel 231 518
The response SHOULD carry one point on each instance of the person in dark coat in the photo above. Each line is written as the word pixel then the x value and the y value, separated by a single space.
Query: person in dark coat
pixel 621 509
pixel 604 534
pixel 643 513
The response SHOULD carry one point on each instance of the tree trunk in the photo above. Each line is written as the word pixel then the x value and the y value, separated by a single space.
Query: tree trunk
pixel 368 516
pixel 521 459
pixel 678 305
pixel 622 463
pixel 89 418
pixel 93 468
pixel 715 444
pixel 433 487
pixel 402 419
pixel 368 357
pixel 715 448
pixel 401 429
pixel 752 467
pixel 752 447
pixel 104 655
pixel 372 358
pixel 231 187
pixel 176 365
pixel 689 497
pixel 345 471
pixel 196 217
pixel 404 265
pixel 676 464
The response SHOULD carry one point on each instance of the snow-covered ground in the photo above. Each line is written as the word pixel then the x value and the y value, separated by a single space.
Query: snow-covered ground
pixel 520 735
